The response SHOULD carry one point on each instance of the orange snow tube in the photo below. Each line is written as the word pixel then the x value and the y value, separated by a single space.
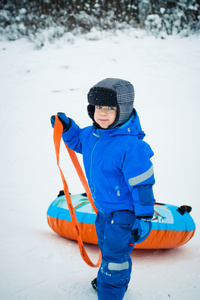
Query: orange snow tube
pixel 172 226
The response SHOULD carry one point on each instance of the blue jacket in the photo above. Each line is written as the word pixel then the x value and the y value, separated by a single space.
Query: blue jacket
pixel 117 165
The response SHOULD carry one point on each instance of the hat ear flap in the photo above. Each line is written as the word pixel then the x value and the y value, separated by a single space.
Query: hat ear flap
pixel 90 109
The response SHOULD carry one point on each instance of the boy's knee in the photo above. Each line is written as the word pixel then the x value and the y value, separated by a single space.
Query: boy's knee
pixel 115 274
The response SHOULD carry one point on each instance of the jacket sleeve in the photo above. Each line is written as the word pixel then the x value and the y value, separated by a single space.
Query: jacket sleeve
pixel 139 176
pixel 72 137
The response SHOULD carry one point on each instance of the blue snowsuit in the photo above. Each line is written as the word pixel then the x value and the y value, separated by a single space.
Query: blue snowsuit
pixel 120 175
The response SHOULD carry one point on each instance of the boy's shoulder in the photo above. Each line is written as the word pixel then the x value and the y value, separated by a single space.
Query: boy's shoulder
pixel 129 141
pixel 132 143
pixel 87 130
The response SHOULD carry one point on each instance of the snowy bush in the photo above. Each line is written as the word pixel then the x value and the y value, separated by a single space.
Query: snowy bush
pixel 153 24
pixel 52 19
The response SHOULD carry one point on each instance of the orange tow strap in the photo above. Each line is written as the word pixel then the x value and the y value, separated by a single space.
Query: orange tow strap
pixel 57 135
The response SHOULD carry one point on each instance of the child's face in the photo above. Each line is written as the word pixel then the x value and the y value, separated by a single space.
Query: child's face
pixel 105 115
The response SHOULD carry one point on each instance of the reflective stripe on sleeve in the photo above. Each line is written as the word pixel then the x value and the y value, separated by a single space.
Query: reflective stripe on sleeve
pixel 118 267
pixel 140 178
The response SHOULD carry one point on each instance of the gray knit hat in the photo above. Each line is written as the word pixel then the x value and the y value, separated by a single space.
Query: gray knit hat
pixel 112 92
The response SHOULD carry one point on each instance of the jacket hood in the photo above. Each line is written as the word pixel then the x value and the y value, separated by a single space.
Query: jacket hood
pixel 113 92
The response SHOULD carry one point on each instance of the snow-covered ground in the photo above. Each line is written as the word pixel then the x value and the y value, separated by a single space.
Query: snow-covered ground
pixel 37 264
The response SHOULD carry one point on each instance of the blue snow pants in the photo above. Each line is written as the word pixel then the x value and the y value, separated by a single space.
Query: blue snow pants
pixel 116 243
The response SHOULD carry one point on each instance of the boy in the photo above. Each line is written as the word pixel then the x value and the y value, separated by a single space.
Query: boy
pixel 120 175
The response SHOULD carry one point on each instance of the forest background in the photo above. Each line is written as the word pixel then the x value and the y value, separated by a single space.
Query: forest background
pixel 47 20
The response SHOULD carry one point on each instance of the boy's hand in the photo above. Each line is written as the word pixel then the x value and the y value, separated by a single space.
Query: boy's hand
pixel 140 227
pixel 64 119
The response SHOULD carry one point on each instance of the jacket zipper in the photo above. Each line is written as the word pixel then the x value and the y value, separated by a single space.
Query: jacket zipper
pixel 91 161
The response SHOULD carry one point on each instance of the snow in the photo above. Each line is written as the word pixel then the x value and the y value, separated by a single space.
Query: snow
pixel 34 84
